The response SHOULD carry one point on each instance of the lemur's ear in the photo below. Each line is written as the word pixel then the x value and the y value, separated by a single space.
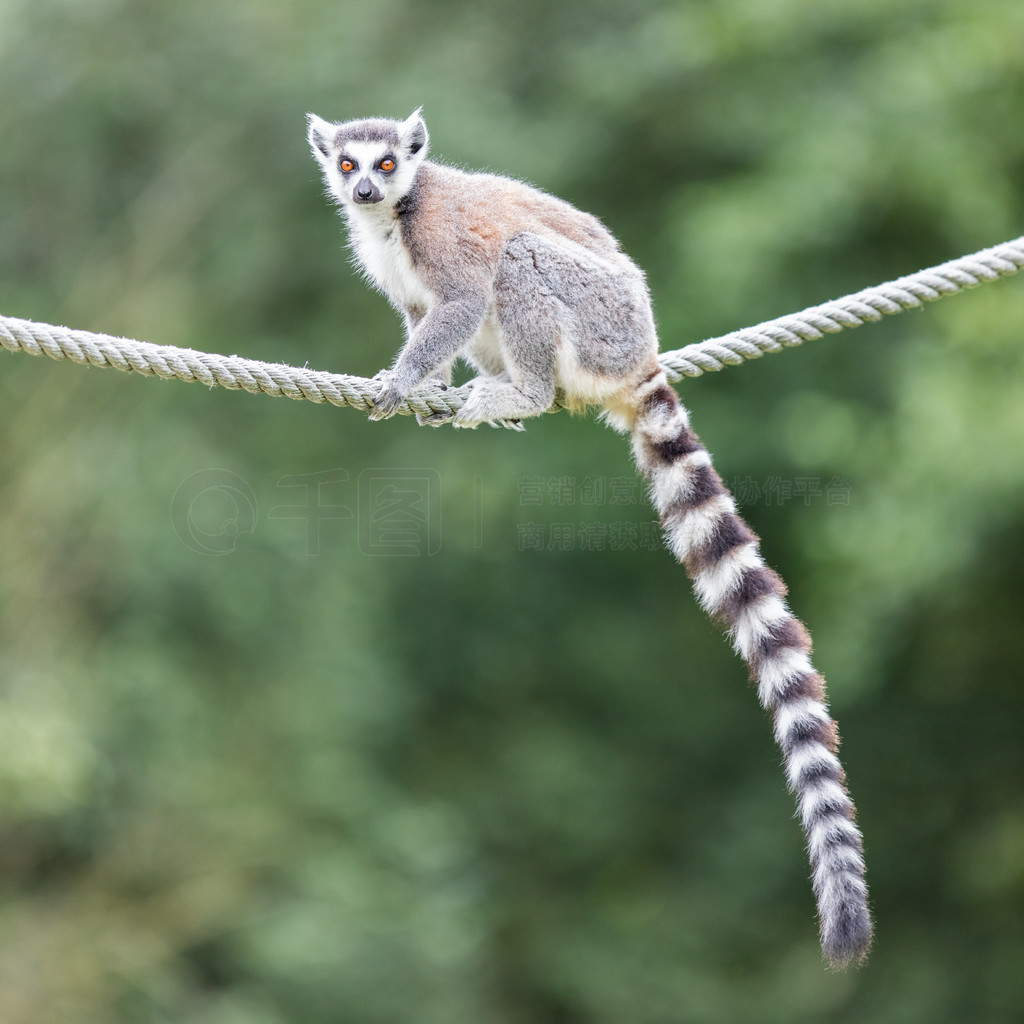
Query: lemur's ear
pixel 413 133
pixel 319 133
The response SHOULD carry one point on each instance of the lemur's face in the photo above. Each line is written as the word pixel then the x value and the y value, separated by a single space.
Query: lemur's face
pixel 369 163
pixel 367 171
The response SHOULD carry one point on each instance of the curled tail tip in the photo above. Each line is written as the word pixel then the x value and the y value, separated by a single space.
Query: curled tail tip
pixel 846 942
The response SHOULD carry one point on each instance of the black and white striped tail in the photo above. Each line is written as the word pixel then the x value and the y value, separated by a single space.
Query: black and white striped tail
pixel 722 556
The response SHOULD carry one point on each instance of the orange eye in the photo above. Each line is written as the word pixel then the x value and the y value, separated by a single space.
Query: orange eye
pixel 387 165
pixel 347 165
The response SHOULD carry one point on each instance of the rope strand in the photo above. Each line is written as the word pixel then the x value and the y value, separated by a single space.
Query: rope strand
pixel 278 379
pixel 861 307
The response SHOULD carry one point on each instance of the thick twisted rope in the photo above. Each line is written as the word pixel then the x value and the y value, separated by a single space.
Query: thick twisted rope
pixel 871 304
pixel 278 379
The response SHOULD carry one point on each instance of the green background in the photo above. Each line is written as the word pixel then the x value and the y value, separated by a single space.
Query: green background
pixel 338 773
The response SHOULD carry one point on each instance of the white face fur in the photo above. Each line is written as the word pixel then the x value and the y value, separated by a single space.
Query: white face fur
pixel 368 165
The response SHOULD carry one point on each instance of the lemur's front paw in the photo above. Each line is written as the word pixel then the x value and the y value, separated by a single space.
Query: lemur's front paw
pixel 392 393
pixel 388 398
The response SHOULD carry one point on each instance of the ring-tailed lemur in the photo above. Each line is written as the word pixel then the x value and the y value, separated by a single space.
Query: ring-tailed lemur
pixel 538 297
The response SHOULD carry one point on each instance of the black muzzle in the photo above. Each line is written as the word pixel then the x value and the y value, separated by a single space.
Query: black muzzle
pixel 366 192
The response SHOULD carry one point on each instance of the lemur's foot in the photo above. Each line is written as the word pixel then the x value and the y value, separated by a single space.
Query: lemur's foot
pixel 435 419
pixel 497 402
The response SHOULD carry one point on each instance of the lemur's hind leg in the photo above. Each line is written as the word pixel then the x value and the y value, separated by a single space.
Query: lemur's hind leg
pixel 492 400
pixel 567 318
pixel 530 324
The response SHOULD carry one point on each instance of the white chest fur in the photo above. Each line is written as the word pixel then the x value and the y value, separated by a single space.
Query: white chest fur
pixel 378 246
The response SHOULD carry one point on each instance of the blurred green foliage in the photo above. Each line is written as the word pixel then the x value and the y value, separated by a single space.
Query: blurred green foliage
pixel 308 781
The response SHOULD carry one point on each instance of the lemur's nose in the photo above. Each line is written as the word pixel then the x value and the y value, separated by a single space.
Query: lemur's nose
pixel 365 191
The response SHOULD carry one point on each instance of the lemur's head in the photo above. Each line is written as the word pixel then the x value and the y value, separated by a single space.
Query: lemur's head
pixel 371 162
